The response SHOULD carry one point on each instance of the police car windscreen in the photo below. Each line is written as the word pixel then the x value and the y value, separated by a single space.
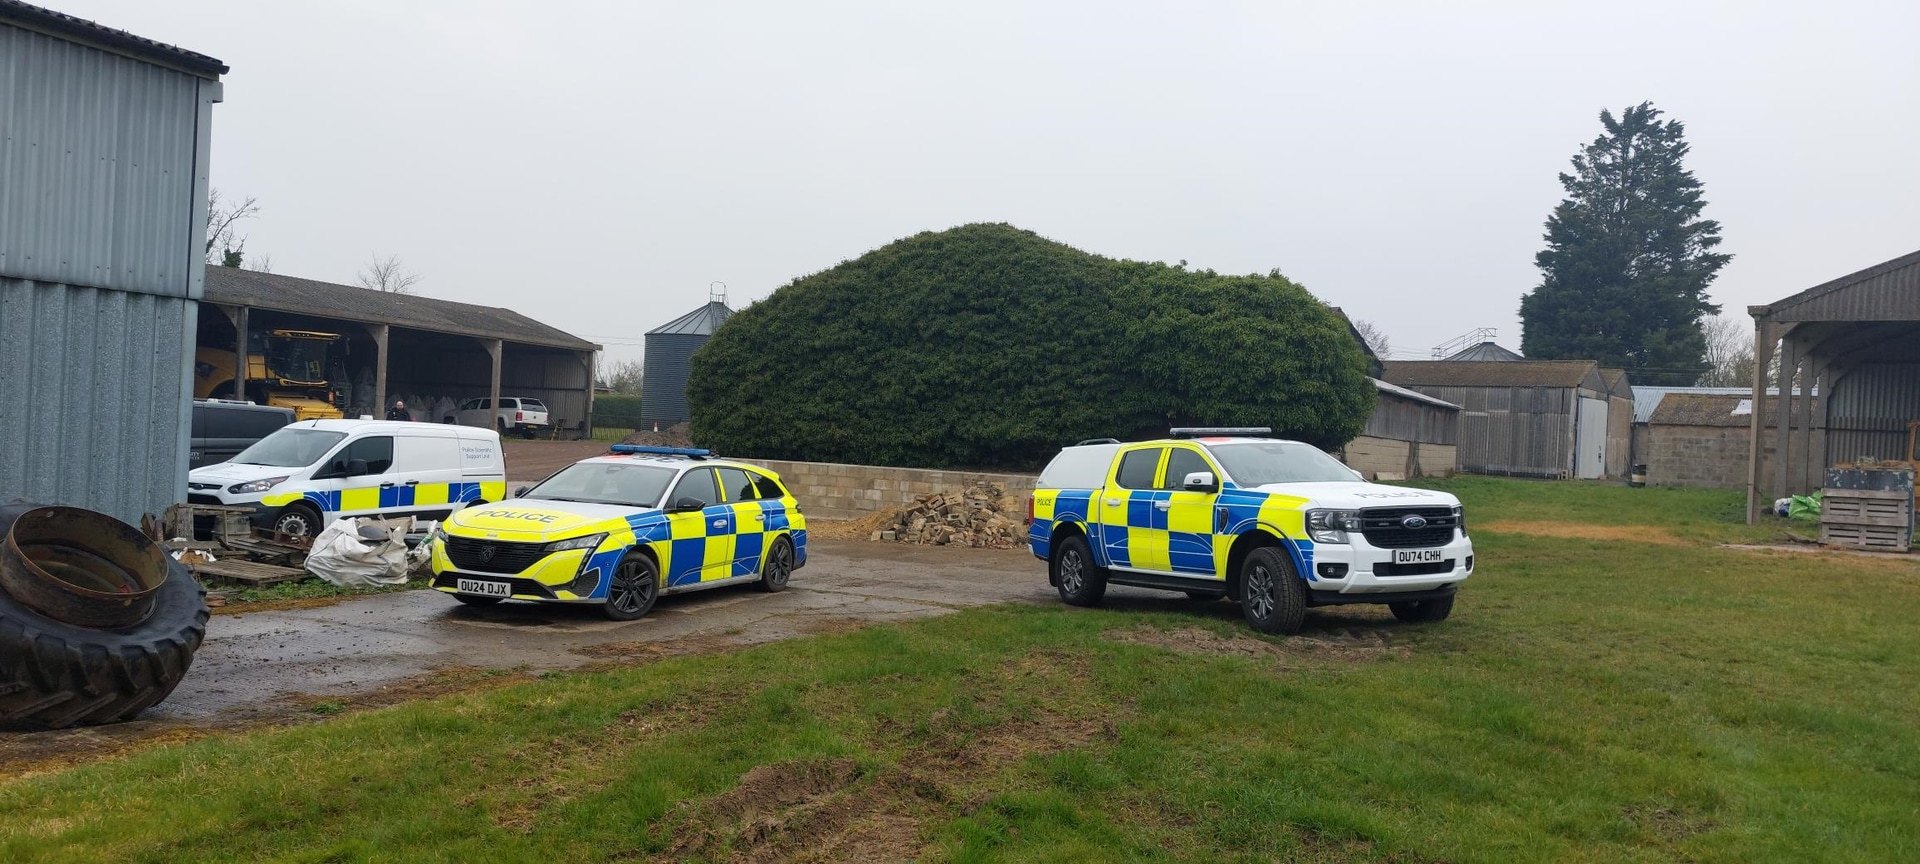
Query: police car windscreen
pixel 606 483
pixel 1257 463
pixel 290 448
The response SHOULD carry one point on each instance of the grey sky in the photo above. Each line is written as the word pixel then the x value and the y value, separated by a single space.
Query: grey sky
pixel 596 165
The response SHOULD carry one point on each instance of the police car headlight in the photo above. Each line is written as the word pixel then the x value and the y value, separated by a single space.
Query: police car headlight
pixel 588 542
pixel 255 485
pixel 1331 526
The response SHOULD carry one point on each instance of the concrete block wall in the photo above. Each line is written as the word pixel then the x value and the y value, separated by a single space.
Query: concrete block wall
pixel 1389 458
pixel 1708 456
pixel 832 491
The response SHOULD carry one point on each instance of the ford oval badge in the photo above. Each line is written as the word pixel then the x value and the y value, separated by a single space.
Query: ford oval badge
pixel 1414 522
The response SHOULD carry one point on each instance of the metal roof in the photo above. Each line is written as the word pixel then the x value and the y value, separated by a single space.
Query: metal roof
pixel 234 287
pixel 1513 373
pixel 1414 395
pixel 1888 291
pixel 1486 352
pixel 700 322
pixel 81 30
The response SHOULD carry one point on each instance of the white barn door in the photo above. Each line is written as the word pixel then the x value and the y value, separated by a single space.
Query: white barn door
pixel 1590 440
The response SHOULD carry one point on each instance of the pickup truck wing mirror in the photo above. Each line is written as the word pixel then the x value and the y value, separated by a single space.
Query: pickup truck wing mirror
pixel 522 491
pixel 1200 481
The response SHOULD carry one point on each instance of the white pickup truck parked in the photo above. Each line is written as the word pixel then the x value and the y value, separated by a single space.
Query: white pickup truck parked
pixel 1278 526
pixel 517 414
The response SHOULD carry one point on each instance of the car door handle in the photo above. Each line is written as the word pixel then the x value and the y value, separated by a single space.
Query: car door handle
pixel 386 485
pixel 1162 505
pixel 413 482
pixel 719 523
pixel 1113 502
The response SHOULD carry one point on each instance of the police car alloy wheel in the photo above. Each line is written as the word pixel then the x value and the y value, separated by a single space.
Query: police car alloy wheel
pixel 1273 599
pixel 779 567
pixel 1081 583
pixel 634 588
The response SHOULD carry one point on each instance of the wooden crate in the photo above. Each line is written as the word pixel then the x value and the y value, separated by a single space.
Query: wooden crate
pixel 1880 520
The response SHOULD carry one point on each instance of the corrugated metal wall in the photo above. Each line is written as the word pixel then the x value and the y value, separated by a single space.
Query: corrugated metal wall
pixel 1404 419
pixel 1521 431
pixel 1869 412
pixel 98 155
pixel 663 395
pixel 94 384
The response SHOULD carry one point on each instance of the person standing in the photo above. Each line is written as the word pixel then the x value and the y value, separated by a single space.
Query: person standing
pixel 399 411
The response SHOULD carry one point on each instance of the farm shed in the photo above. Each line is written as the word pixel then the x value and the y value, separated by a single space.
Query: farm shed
pixel 669 357
pixel 1702 439
pixel 102 207
pixel 1619 422
pixel 1409 434
pixel 1855 341
pixel 400 345
pixel 1524 418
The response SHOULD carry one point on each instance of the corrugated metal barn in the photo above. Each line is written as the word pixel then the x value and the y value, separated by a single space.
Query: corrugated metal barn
pixel 409 346
pixel 1409 434
pixel 105 158
pixel 670 347
pixel 1856 342
pixel 1524 418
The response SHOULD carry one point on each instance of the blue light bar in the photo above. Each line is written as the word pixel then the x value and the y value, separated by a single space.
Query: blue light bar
pixel 641 449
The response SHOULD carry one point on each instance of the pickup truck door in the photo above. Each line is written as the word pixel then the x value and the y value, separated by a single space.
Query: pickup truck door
pixel 1133 512
pixel 1191 530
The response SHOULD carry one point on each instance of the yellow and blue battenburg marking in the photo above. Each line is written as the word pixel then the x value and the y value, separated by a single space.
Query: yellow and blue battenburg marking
pixel 1146 531
pixel 392 497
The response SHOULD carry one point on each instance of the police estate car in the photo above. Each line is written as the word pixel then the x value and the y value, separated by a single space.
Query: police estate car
pixel 1276 525
pixel 623 529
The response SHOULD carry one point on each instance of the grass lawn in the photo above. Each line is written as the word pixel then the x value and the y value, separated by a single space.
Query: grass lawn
pixel 1611 688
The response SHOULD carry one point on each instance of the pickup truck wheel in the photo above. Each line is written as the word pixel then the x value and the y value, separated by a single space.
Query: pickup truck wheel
pixel 1420 611
pixel 1081 583
pixel 527 433
pixel 1272 596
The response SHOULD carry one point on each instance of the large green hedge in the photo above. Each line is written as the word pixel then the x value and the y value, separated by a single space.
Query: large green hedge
pixel 986 346
pixel 616 410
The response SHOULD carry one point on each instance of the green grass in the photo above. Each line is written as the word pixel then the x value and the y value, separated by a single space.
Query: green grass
pixel 1590 701
pixel 612 435
pixel 305 589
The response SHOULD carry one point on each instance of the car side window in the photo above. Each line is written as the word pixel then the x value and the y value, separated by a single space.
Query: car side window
pixel 1181 463
pixel 769 488
pixel 1137 467
pixel 738 486
pixel 375 450
pixel 698 485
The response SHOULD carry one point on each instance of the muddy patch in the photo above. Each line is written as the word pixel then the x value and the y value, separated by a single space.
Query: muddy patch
pixel 634 653
pixel 1585 531
pixel 836 810
pixel 1666 823
pixel 1342 644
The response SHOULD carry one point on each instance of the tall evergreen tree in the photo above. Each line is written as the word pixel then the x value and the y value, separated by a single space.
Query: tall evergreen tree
pixel 1628 258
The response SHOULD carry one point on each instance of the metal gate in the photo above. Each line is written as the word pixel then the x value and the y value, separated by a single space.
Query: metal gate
pixel 1590 439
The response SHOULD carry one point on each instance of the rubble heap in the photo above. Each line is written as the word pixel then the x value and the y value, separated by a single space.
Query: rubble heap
pixel 973 517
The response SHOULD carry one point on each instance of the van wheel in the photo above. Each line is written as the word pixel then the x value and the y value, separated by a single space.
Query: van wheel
pixel 297 520
pixel 634 587
pixel 1272 597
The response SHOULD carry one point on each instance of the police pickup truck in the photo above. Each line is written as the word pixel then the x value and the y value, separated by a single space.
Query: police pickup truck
pixel 1278 526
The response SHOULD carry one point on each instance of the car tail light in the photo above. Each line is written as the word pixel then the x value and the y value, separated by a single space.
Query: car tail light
pixel 519 416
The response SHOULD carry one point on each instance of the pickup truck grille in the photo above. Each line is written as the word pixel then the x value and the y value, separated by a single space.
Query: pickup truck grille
pixel 493 556
pixel 1382 527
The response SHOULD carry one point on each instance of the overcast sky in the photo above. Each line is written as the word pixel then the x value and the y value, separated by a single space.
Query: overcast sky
pixel 597 165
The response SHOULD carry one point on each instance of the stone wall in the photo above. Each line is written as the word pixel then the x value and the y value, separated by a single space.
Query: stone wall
pixel 1386 459
pixel 1707 456
pixel 830 491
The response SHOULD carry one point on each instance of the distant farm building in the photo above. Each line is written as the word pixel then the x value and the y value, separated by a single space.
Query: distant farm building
pixel 669 358
pixel 1529 418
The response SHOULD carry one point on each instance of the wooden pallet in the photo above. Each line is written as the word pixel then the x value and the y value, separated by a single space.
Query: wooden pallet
pixel 1879 520
pixel 249 572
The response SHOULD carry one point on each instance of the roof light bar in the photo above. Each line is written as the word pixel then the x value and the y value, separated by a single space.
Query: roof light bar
pixel 1221 432
pixel 642 449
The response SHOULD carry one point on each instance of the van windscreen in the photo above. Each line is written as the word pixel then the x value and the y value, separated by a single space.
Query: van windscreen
pixel 290 448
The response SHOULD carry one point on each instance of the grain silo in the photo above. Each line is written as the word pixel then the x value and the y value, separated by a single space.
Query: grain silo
pixel 670 347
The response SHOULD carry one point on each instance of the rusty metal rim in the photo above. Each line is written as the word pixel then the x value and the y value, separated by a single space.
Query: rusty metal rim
pixel 119 545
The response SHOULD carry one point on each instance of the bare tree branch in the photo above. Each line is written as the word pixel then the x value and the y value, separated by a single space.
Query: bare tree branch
pixel 1376 337
pixel 1729 352
pixel 262 263
pixel 388 274
pixel 220 221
